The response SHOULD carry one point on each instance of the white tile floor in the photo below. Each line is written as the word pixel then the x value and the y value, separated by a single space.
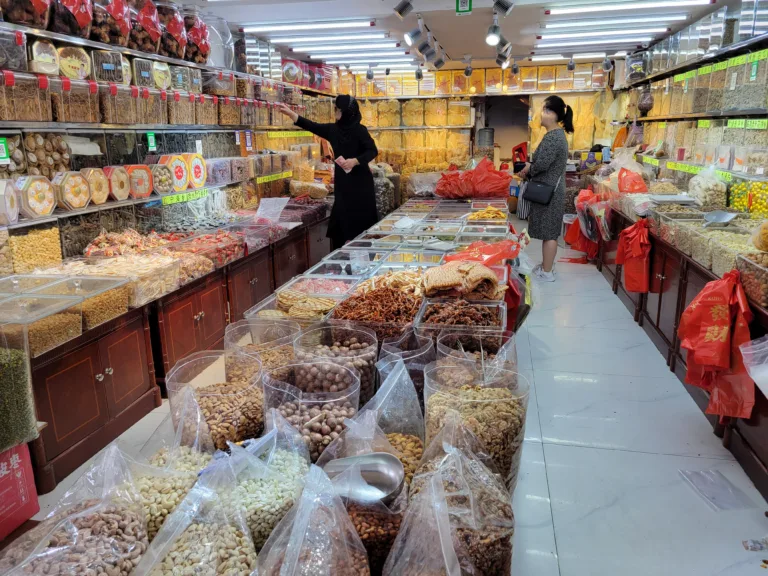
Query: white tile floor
pixel 608 429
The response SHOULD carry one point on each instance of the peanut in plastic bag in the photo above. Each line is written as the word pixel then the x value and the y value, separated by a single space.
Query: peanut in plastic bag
pixel 205 534
pixel 316 537
pixel 97 527
pixel 477 506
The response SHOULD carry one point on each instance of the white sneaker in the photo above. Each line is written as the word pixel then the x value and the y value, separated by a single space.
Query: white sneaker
pixel 545 276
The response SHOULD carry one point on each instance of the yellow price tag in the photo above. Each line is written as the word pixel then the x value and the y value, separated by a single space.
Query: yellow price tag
pixel 289 134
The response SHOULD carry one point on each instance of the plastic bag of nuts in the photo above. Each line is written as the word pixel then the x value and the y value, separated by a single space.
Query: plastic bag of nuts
pixel 444 530
pixel 228 392
pixel 111 22
pixel 317 535
pixel 332 346
pixel 173 40
pixel 267 490
pixel 203 535
pixel 270 340
pixel 145 28
pixel 319 417
pixel 97 528
pixel 492 403
pixel 478 348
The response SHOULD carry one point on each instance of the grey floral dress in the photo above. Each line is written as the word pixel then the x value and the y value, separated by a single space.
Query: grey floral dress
pixel 547 166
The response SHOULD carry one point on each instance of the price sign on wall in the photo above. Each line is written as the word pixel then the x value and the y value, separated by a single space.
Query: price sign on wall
pixel 463 7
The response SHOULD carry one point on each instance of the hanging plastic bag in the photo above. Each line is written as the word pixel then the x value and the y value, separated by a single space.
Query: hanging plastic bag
pixel 398 414
pixel 266 491
pixel 206 534
pixel 416 351
pixel 633 253
pixel 712 329
pixel 96 528
pixel 489 182
pixel 601 212
pixel 316 537
pixel 493 404
pixel 631 182
pixel 587 222
pixel 319 417
pixel 479 511
pixel 280 436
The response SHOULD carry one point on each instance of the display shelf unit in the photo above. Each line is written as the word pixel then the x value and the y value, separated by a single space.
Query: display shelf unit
pixel 724 53
pixel 516 93
pixel 468 127
pixel 700 116
pixel 62 126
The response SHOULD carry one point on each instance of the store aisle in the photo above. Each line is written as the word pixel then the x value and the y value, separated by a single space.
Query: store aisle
pixel 608 429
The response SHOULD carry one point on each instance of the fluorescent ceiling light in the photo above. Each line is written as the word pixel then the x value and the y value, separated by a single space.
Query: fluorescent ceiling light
pixel 651 19
pixel 633 40
pixel 373 59
pixel 311 26
pixel 352 55
pixel 347 38
pixel 620 53
pixel 343 47
pixel 589 56
pixel 384 66
pixel 591 34
pixel 548 57
pixel 623 6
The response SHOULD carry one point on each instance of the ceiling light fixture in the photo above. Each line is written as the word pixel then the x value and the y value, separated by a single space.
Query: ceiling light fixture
pixel 638 40
pixel 590 56
pixel 548 36
pixel 505 65
pixel 547 57
pixel 415 34
pixel 313 26
pixel 382 67
pixel 494 32
pixel 500 60
pixel 620 54
pixel 650 19
pixel 426 45
pixel 353 55
pixel 439 59
pixel 350 60
pixel 348 38
pixel 468 61
pixel 403 8
pixel 515 68
pixel 623 6
pixel 503 7
pixel 345 47
pixel 387 71
pixel 504 45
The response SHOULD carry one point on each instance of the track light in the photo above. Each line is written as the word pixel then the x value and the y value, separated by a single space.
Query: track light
pixel 494 32
pixel 369 74
pixel 468 71
pixel 419 74
pixel 505 64
pixel 403 8
pixel 468 61
pixel 503 46
pixel 503 7
pixel 500 60
pixel 415 34
pixel 607 65
pixel 387 71
pixel 571 66
pixel 426 45
pixel 439 58
pixel 515 69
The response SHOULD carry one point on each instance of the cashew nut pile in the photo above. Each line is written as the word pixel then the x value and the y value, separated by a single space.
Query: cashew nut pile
pixel 183 458
pixel 161 494
pixel 208 550
pixel 266 500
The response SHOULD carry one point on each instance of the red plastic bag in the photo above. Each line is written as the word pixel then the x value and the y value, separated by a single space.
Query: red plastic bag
pixel 631 182
pixel 488 254
pixel 489 182
pixel 712 328
pixel 577 241
pixel 449 185
pixel 633 254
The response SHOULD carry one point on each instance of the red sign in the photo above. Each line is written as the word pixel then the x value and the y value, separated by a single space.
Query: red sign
pixel 18 498
pixel 82 10
pixel 175 27
pixel 149 20
pixel 120 12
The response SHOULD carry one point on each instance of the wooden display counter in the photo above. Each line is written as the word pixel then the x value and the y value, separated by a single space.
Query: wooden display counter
pixel 93 388
pixel 676 279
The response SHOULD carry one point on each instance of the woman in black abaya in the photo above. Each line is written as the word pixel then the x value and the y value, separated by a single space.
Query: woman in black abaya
pixel 354 207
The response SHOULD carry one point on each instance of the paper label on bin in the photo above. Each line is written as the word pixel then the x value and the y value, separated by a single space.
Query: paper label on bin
pixel 151 142
pixel 5 157
pixel 248 141
pixel 199 146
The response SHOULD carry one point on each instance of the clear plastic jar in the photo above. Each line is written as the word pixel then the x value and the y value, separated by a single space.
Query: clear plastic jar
pixel 145 28
pixel 198 37
pixel 26 12
pixel 173 40
pixel 111 22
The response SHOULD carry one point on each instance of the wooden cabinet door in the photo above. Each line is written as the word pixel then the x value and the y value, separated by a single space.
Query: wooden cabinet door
pixel 179 329
pixel 248 284
pixel 211 305
pixel 290 259
pixel 318 245
pixel 670 286
pixel 69 395
pixel 653 298
pixel 126 374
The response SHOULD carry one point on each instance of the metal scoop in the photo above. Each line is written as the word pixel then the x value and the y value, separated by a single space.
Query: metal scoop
pixel 383 474
pixel 718 217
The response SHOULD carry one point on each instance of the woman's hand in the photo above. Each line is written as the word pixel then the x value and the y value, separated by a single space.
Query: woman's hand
pixel 348 163
pixel 524 172
pixel 287 111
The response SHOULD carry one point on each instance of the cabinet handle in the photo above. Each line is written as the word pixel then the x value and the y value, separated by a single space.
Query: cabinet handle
pixel 108 371
pixel 197 316
pixel 254 281
pixel 99 377
pixel 202 314
pixel 662 277
pixel 292 257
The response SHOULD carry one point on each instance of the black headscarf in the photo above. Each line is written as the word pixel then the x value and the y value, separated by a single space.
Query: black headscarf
pixel 350 117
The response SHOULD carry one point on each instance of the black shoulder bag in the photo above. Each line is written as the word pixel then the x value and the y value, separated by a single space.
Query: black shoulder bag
pixel 540 193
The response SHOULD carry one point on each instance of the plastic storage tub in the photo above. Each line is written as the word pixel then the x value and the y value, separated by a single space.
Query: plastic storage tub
pixel 39 324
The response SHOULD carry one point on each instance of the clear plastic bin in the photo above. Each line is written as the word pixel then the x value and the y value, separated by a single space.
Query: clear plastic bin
pixel 414 257
pixel 9 203
pixel 206 109
pixel 701 90
pixel 24 97
pixel 319 285
pixel 363 256
pixel 181 108
pixel 305 315
pixel 754 277
pixel 24 283
pixel 38 324
pixel 270 340
pixel 426 326
pixel 37 196
pixel 72 190
pixel 227 387
pixel 343 268
pixel 153 106
pixel 103 298
pixel 118 104
pixel 219 83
